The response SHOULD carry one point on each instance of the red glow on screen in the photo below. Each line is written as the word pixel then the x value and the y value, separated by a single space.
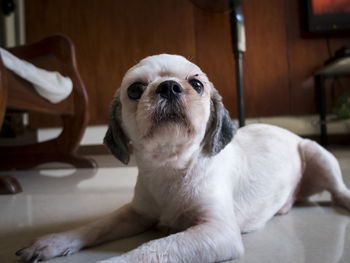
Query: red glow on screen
pixel 323 7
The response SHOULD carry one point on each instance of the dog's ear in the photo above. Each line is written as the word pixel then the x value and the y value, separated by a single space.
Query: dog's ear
pixel 115 138
pixel 220 128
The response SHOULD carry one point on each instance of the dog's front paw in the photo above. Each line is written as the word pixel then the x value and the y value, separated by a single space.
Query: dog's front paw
pixel 47 247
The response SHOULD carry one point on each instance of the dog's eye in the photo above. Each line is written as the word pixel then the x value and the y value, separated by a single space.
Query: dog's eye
pixel 197 85
pixel 135 90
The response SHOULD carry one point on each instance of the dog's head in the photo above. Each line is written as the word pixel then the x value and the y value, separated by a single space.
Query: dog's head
pixel 167 100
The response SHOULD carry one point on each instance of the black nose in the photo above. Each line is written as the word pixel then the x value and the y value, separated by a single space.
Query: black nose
pixel 169 89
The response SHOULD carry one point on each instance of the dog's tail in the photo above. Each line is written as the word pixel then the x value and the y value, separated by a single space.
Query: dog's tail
pixel 321 171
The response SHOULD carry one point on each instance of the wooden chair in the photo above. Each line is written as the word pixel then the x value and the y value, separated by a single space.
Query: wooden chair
pixel 53 53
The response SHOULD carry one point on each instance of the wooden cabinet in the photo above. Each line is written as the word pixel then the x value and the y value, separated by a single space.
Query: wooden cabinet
pixel 110 36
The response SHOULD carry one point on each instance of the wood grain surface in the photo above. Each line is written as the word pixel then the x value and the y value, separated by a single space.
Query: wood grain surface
pixel 111 36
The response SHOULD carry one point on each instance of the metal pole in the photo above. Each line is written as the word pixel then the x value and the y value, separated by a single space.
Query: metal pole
pixel 239 87
pixel 239 47
pixel 320 84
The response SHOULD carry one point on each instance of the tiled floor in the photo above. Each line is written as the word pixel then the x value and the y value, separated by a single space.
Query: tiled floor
pixel 59 199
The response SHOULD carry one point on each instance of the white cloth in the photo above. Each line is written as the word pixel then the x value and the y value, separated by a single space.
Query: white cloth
pixel 49 84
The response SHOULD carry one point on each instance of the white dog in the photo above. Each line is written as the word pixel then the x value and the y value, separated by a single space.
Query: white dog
pixel 199 176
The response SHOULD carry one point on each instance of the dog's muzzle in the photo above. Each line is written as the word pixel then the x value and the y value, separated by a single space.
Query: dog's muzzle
pixel 170 107
pixel 169 90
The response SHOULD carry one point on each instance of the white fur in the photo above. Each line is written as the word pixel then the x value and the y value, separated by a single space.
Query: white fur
pixel 208 201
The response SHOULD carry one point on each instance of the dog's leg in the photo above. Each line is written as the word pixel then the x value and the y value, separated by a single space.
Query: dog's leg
pixel 207 242
pixel 122 223
pixel 322 172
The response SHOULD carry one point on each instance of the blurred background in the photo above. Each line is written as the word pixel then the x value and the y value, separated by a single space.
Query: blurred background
pixel 284 48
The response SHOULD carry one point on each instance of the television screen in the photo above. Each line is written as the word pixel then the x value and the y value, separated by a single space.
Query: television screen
pixel 328 15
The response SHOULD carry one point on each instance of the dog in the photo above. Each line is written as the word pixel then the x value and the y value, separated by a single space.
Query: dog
pixel 200 178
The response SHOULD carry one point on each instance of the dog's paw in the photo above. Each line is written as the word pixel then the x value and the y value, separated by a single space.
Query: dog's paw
pixel 342 199
pixel 47 247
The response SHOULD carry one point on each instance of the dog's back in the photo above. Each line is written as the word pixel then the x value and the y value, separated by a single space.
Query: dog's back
pixel 279 168
pixel 272 168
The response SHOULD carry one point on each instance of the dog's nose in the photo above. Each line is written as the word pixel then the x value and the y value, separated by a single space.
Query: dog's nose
pixel 169 89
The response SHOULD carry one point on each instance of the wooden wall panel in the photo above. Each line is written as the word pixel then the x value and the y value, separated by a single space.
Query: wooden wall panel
pixel 265 65
pixel 214 55
pixel 111 36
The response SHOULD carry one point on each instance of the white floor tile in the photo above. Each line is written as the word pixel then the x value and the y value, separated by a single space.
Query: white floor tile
pixel 59 199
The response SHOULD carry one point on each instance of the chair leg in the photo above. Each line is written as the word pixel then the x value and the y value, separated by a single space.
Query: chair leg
pixel 9 185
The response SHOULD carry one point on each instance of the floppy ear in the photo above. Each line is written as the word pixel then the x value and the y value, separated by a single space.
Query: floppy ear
pixel 220 128
pixel 115 138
